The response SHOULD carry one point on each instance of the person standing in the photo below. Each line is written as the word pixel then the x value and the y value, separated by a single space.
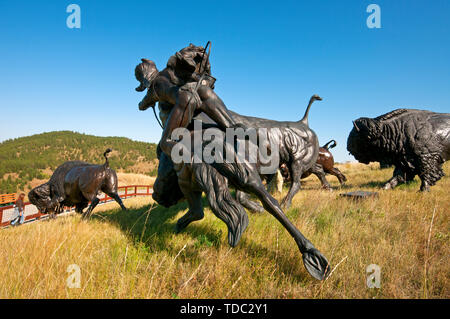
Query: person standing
pixel 19 208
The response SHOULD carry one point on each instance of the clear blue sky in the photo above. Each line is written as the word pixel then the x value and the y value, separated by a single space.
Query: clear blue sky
pixel 268 57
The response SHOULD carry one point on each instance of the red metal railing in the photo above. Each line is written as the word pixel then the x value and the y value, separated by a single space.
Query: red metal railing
pixel 124 192
pixel 7 198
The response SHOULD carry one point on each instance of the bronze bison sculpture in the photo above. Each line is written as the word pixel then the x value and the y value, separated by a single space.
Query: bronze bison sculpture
pixel 325 162
pixel 76 183
pixel 416 142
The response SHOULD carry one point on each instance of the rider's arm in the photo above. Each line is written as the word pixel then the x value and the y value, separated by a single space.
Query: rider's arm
pixel 179 117
pixel 161 90
pixel 149 100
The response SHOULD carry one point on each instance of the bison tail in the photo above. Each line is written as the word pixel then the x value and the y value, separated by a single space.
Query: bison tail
pixel 222 204
pixel 332 146
pixel 313 98
pixel 105 155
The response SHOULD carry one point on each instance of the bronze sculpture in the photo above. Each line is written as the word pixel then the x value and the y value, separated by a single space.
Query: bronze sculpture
pixel 298 150
pixel 185 86
pixel 195 178
pixel 297 144
pixel 324 165
pixel 169 87
pixel 76 183
pixel 416 142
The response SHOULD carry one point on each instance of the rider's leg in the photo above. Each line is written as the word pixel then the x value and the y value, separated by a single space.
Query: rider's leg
pixel 188 102
pixel 214 107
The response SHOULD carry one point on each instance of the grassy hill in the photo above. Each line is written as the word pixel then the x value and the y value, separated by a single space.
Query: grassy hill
pixel 136 254
pixel 33 158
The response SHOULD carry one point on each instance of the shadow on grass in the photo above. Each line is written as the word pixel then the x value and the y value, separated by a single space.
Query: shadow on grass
pixel 410 185
pixel 346 185
pixel 284 264
pixel 154 226
pixel 379 185
pixel 152 231
pixel 373 184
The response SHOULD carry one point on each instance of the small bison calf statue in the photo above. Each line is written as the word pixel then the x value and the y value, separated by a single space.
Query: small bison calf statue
pixel 76 183
pixel 416 142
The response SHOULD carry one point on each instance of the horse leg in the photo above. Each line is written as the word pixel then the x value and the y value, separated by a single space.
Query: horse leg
pixel 315 263
pixel 245 201
pixel 195 211
pixel 246 178
pixel 222 204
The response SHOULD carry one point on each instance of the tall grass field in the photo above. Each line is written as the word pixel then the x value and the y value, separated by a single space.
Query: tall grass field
pixel 136 254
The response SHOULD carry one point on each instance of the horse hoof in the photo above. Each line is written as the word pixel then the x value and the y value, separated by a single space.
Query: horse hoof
pixel 179 227
pixel 316 264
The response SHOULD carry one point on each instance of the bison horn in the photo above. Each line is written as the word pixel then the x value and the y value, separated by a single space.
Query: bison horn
pixel 356 126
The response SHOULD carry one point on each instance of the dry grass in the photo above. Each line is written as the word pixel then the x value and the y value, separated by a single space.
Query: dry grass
pixel 142 167
pixel 134 179
pixel 136 254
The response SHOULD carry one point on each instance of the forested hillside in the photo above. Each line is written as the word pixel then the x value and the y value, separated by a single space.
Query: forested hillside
pixel 25 159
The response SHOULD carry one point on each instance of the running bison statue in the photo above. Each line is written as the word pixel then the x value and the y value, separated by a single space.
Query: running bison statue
pixel 76 183
pixel 416 142
pixel 325 160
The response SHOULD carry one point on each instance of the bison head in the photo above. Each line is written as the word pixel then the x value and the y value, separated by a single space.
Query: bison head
pixel 41 198
pixel 363 141
pixel 166 190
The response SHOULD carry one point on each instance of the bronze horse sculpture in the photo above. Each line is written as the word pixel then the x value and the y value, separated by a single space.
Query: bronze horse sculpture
pixel 183 94
pixel 190 180
pixel 297 144
pixel 175 89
